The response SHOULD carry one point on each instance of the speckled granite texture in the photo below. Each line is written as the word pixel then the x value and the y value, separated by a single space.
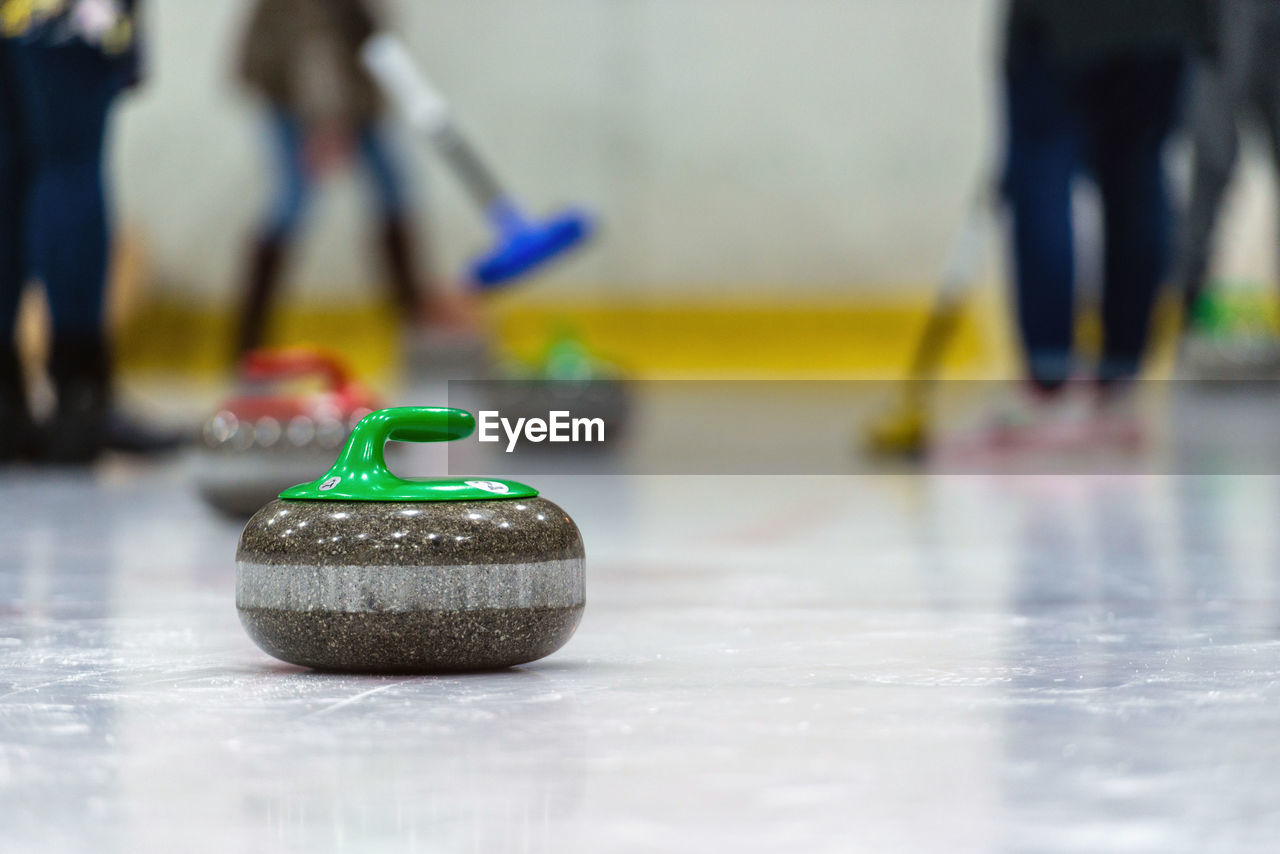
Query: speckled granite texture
pixel 412 642
pixel 413 586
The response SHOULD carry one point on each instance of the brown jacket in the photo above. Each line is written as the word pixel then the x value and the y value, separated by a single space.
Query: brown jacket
pixel 303 56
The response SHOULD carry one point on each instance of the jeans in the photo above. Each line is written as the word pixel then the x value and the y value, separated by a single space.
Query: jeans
pixel 1109 122
pixel 54 103
pixel 294 185
pixel 1244 82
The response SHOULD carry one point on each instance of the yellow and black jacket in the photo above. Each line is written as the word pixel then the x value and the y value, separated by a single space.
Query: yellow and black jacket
pixel 45 22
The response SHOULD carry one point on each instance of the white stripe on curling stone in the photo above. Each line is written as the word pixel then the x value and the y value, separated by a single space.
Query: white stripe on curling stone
pixel 359 589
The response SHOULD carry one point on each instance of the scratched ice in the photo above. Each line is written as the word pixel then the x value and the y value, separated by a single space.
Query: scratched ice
pixel 875 663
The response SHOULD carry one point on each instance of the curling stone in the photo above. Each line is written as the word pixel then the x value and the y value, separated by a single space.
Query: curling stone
pixel 567 377
pixel 363 571
pixel 264 440
pixel 433 354
pixel 1230 341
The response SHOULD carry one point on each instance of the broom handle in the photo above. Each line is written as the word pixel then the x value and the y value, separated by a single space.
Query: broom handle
pixel 473 172
pixel 425 110
pixel 964 258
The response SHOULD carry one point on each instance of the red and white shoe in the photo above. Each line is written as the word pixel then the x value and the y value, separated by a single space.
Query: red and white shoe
pixel 1027 423
pixel 1117 421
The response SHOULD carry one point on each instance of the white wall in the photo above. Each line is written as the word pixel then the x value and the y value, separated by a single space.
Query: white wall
pixel 764 144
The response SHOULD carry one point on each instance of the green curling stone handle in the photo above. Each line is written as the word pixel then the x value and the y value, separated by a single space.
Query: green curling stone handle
pixel 361 473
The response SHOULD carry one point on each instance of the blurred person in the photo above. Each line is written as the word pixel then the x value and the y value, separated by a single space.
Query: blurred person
pixel 62 65
pixel 1241 81
pixel 303 58
pixel 1092 88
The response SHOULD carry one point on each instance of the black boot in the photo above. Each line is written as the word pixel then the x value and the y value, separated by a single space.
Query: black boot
pixel 261 279
pixel 81 374
pixel 86 421
pixel 17 431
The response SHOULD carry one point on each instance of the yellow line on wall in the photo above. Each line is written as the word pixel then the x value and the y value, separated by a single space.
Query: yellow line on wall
pixel 811 338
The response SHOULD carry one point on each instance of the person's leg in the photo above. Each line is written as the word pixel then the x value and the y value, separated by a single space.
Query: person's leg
pixel 1042 158
pixel 1221 92
pixel 13 199
pixel 15 417
pixel 1132 106
pixel 1267 43
pixel 67 93
pixel 395 234
pixel 267 254
pixel 1214 114
pixel 69 231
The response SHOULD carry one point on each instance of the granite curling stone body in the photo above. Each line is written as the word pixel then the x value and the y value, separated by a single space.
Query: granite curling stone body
pixel 363 571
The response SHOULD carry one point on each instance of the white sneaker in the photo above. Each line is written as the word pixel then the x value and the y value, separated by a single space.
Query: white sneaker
pixel 1034 419
pixel 1029 421
pixel 1118 421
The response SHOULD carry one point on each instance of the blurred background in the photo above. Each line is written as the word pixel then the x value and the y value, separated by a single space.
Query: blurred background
pixel 776 183
pixel 777 191
pixel 795 167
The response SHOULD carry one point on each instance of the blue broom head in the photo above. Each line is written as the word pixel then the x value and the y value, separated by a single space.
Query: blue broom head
pixel 524 246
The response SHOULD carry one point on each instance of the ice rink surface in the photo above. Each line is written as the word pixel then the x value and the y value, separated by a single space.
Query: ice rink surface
pixel 896 662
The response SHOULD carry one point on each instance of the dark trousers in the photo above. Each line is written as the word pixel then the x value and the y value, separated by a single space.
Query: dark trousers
pixel 54 103
pixel 1109 122
pixel 1243 82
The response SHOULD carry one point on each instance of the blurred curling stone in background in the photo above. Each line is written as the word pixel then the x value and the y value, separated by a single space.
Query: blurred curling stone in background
pixel 566 376
pixel 1231 337
pixel 437 353
pixel 274 434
